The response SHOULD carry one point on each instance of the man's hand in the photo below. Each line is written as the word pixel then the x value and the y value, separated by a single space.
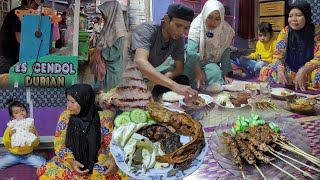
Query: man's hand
pixel 200 78
pixel 299 80
pixel 12 131
pixel 227 80
pixel 112 167
pixel 282 74
pixel 186 91
pixel 77 166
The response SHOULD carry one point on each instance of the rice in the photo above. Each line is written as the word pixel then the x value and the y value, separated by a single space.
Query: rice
pixel 171 96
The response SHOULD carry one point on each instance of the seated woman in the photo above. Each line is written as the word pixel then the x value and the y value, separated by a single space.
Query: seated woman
pixel 82 140
pixel 297 55
pixel 208 48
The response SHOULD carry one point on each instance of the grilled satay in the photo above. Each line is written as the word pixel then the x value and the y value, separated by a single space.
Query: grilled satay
pixel 258 154
pixel 233 147
pixel 245 152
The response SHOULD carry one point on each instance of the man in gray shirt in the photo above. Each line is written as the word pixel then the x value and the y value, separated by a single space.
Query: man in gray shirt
pixel 152 43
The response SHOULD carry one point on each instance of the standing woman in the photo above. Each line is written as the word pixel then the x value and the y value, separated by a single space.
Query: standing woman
pixel 297 55
pixel 111 43
pixel 82 140
pixel 208 52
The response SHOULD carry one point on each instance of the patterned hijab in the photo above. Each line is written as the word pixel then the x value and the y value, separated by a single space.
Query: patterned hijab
pixel 211 48
pixel 114 26
pixel 84 131
pixel 300 42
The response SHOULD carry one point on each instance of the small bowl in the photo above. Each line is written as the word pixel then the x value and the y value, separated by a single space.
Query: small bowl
pixel 301 105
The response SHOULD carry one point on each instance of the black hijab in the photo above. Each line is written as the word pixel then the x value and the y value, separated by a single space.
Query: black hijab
pixel 84 132
pixel 300 42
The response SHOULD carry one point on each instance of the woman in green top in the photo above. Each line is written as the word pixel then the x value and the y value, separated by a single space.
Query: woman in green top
pixel 111 43
pixel 207 51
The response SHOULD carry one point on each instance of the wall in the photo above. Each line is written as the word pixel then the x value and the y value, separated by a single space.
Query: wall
pixel 159 8
pixel 139 12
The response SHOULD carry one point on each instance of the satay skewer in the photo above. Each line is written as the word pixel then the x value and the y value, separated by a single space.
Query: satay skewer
pixel 284 171
pixel 311 167
pixel 301 153
pixel 255 165
pixel 243 175
pixel 305 173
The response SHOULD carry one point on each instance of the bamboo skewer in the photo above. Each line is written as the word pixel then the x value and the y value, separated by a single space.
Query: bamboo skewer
pixel 302 153
pixel 259 171
pixel 307 174
pixel 311 167
pixel 243 175
pixel 283 171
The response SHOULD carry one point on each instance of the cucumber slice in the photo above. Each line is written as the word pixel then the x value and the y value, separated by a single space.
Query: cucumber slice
pixel 126 113
pixel 151 121
pixel 148 115
pixel 138 116
pixel 121 119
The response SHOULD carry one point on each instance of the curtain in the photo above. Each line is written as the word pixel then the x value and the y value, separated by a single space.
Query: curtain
pixel 246 26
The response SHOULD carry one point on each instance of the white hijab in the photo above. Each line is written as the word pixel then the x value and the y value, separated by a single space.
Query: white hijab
pixel 211 48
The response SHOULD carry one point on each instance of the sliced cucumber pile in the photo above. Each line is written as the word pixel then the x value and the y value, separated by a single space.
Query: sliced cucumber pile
pixel 135 116
pixel 242 123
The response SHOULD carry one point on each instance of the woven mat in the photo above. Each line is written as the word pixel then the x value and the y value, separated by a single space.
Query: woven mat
pixel 210 169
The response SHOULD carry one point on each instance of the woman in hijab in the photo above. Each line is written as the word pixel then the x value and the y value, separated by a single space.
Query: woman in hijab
pixel 82 139
pixel 297 55
pixel 111 43
pixel 208 48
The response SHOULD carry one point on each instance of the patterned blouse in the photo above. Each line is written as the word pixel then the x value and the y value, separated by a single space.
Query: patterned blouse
pixel 281 48
pixel 106 132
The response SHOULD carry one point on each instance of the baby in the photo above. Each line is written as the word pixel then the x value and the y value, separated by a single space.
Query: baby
pixel 20 138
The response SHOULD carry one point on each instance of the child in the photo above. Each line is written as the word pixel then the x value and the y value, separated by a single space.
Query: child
pixel 265 48
pixel 19 154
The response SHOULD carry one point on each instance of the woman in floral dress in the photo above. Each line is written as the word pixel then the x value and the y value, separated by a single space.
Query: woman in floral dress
pixel 297 55
pixel 82 139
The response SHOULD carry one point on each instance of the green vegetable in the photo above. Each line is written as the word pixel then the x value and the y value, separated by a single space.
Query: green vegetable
pixel 276 129
pixel 121 119
pixel 243 128
pixel 148 115
pixel 256 123
pixel 261 121
pixel 138 116
pixel 233 131
pixel 272 125
pixel 126 113
pixel 150 122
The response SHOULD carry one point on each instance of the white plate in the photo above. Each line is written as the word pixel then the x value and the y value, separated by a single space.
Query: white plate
pixel 276 92
pixel 242 106
pixel 158 174
pixel 208 99
pixel 218 103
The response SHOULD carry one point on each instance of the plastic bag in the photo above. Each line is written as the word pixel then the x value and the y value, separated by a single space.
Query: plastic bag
pixel 98 65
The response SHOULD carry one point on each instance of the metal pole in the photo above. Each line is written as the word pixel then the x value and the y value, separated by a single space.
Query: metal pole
pixel 76 18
